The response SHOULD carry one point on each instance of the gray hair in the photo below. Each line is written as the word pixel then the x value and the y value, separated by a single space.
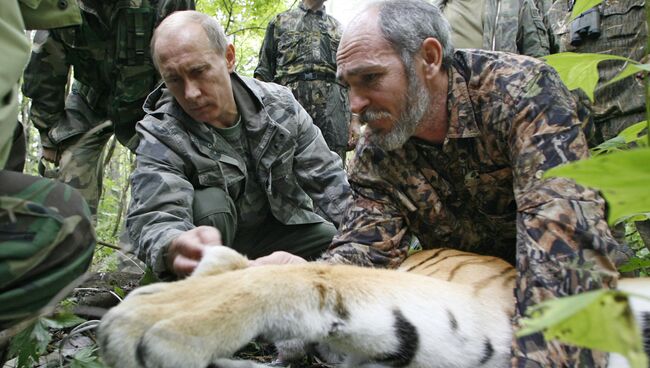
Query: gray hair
pixel 406 23
pixel 216 36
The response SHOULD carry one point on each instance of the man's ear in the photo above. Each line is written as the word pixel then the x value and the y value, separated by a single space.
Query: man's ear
pixel 230 57
pixel 431 52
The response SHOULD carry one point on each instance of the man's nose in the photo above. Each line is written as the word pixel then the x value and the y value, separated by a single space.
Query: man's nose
pixel 192 90
pixel 358 102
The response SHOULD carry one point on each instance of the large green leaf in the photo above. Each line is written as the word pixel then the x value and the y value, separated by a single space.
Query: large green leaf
pixel 600 320
pixel 581 6
pixel 62 320
pixel 630 135
pixel 635 263
pixel 30 344
pixel 623 178
pixel 581 70
pixel 87 358
pixel 630 69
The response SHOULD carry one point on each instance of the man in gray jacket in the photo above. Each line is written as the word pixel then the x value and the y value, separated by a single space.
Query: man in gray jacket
pixel 225 159
pixel 498 25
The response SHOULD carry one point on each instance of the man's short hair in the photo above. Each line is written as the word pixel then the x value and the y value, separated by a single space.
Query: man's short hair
pixel 406 23
pixel 216 36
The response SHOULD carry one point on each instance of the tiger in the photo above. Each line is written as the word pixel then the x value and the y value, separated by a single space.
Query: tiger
pixel 440 308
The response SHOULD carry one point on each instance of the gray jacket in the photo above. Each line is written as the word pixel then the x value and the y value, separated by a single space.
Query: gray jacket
pixel 513 26
pixel 291 160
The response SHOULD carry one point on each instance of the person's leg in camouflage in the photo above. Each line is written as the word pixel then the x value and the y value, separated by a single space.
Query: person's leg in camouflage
pixel 80 142
pixel 82 165
pixel 327 104
pixel 46 242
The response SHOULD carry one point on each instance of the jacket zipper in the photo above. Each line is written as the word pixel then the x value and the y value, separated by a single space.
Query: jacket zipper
pixel 496 24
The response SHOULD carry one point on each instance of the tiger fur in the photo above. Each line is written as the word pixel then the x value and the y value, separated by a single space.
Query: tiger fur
pixel 442 308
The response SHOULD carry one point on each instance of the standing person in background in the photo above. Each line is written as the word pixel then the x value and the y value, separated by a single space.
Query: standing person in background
pixel 299 51
pixel 615 27
pixel 46 236
pixel 501 25
pixel 113 74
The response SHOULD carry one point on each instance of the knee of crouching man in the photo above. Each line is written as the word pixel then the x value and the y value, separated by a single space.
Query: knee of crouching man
pixel 218 259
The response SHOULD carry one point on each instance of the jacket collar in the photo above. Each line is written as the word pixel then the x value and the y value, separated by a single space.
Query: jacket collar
pixel 460 110
pixel 320 11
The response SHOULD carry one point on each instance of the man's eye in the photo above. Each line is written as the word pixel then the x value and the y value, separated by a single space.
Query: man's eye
pixel 370 78
pixel 198 71
pixel 171 80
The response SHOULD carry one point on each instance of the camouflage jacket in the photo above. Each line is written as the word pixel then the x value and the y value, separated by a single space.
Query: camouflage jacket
pixel 113 70
pixel 623 33
pixel 293 165
pixel 299 51
pixel 299 41
pixel 510 119
pixel 15 17
pixel 513 26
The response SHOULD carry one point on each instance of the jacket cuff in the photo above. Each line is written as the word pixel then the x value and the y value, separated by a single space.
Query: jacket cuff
pixel 158 255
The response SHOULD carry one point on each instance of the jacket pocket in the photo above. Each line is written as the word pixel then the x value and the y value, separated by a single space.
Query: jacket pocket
pixel 224 174
pixel 623 19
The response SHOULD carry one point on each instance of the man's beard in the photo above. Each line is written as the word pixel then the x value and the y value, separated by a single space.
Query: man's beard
pixel 417 103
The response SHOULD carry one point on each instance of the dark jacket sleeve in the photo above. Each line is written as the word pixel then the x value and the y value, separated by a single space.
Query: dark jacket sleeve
pixel 161 197
pixel 44 81
pixel 266 67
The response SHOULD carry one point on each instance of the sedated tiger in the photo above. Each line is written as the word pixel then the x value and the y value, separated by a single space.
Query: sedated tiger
pixel 441 308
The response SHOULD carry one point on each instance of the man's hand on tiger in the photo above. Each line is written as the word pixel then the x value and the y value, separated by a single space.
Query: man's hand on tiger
pixel 186 250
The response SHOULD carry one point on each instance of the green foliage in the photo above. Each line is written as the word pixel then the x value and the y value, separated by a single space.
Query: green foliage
pixel 245 21
pixel 622 178
pixel 581 6
pixel 581 70
pixel 120 292
pixel 30 344
pixel 600 319
pixel 33 341
pixel 63 320
pixel 635 264
pixel 87 358
pixel 631 136
pixel 149 277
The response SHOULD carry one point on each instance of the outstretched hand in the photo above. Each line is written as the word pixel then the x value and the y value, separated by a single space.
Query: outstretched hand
pixel 186 250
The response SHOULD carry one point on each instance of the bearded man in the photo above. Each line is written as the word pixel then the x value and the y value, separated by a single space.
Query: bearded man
pixel 454 156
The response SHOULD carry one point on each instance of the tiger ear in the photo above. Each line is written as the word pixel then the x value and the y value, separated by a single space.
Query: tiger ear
pixel 218 259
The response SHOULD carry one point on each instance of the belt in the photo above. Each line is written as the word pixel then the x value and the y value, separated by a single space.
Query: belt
pixel 310 76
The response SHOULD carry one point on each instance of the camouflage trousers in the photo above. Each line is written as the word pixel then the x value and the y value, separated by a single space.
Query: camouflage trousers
pixel 81 164
pixel 46 242
pixel 327 104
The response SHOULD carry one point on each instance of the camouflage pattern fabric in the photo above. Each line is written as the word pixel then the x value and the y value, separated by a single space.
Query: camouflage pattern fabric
pixel 513 26
pixel 46 238
pixel 299 51
pixel 46 242
pixel 510 119
pixel 177 155
pixel 15 51
pixel 623 33
pixel 113 74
